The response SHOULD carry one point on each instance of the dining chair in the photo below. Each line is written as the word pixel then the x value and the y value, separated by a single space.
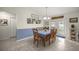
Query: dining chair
pixel 53 34
pixel 34 31
pixel 37 37
pixel 46 39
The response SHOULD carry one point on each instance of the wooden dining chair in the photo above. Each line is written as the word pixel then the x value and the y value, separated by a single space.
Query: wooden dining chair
pixel 53 34
pixel 34 31
pixel 46 39
pixel 37 37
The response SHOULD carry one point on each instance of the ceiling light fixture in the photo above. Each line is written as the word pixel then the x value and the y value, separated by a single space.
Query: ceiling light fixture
pixel 46 17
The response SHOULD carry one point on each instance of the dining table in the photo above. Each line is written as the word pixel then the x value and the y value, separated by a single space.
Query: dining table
pixel 43 35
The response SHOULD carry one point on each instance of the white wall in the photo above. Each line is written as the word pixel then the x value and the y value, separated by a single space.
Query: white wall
pixel 67 24
pixel 22 20
pixel 7 31
pixel 16 20
pixel 21 15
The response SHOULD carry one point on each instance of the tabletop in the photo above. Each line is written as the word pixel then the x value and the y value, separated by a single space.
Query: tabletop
pixel 43 33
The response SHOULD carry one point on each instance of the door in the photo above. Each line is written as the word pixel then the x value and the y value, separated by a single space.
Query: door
pixel 12 27
pixel 60 27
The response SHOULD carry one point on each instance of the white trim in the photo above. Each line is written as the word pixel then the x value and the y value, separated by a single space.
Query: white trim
pixel 25 38
pixel 5 38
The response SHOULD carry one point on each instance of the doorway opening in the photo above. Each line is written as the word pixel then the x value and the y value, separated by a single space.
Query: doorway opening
pixel 60 25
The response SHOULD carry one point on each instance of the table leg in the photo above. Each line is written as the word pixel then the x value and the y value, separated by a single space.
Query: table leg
pixel 44 43
pixel 49 41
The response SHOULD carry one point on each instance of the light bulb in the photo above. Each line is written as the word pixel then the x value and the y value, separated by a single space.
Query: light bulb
pixel 48 18
pixel 44 18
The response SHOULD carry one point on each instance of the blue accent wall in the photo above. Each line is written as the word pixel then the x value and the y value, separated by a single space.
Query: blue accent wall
pixel 24 33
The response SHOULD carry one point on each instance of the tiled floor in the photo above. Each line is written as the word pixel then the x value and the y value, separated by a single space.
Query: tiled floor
pixel 60 44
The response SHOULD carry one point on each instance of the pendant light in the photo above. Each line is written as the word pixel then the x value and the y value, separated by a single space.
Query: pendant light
pixel 46 17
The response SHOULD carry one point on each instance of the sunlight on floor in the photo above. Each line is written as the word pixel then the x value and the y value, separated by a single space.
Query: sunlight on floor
pixel 61 43
pixel 61 39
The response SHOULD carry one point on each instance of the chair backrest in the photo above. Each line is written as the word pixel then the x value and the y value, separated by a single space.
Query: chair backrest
pixel 47 37
pixel 34 30
pixel 36 34
pixel 53 33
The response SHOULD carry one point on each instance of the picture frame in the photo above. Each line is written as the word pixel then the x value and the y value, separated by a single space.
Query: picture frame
pixel 29 21
pixel 3 22
pixel 35 19
pixel 38 21
pixel 73 20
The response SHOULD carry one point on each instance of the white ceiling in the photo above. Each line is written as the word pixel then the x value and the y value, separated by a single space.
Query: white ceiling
pixel 51 11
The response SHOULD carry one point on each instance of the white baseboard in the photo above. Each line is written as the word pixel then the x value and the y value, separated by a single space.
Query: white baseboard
pixel 25 38
pixel 13 37
pixel 5 38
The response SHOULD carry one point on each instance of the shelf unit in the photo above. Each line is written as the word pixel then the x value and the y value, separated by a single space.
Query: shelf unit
pixel 73 33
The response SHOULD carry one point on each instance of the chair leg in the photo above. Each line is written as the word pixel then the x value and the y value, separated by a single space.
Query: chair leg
pixel 34 42
pixel 49 42
pixel 52 40
pixel 37 43
pixel 44 43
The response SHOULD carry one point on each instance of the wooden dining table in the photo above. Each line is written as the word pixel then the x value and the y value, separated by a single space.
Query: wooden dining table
pixel 43 35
